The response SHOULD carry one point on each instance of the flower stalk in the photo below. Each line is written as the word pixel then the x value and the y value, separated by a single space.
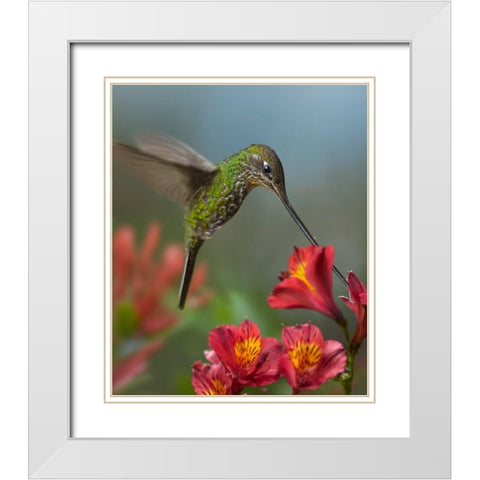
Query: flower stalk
pixel 346 379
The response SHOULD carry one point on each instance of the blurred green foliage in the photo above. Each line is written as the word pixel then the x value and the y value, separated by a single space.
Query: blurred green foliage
pixel 125 321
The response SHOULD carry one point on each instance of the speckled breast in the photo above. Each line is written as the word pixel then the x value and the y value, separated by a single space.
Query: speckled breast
pixel 218 202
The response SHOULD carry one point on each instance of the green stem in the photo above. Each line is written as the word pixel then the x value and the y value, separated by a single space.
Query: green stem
pixel 344 328
pixel 346 380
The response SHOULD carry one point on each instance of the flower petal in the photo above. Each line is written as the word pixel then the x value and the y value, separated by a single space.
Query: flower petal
pixel 288 371
pixel 169 268
pixel 150 243
pixel 306 333
pixel 292 293
pixel 211 356
pixel 267 369
pixel 222 340
pixel 357 302
pixel 319 273
pixel 310 361
pixel 361 329
pixel 332 362
pixel 211 379
pixel 247 348
pixel 299 258
pixel 123 257
pixel 125 370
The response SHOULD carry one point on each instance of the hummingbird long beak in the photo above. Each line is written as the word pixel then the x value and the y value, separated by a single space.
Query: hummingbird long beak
pixel 298 221
pixel 304 229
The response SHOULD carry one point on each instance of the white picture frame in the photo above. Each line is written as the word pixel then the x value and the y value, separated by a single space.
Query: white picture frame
pixel 54 27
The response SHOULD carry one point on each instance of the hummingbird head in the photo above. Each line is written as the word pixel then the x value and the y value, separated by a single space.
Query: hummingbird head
pixel 267 170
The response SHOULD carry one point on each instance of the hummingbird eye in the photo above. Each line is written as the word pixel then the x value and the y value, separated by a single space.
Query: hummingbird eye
pixel 266 167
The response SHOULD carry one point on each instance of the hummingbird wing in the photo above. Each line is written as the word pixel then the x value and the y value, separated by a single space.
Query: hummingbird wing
pixel 173 150
pixel 169 167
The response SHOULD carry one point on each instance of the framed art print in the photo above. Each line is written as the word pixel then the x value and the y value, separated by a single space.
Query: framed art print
pixel 306 310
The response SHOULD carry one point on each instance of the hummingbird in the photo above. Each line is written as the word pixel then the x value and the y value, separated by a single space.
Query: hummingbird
pixel 210 194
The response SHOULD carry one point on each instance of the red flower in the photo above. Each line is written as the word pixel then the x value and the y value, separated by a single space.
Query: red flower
pixel 150 284
pixel 143 282
pixel 122 260
pixel 358 304
pixel 140 285
pixel 251 359
pixel 310 361
pixel 308 282
pixel 130 367
pixel 211 379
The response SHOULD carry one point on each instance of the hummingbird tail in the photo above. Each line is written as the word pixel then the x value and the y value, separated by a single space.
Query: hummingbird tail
pixel 188 272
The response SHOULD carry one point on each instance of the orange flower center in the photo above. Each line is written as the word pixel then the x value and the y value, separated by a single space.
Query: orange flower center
pixel 305 355
pixel 248 350
pixel 299 273
pixel 217 388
